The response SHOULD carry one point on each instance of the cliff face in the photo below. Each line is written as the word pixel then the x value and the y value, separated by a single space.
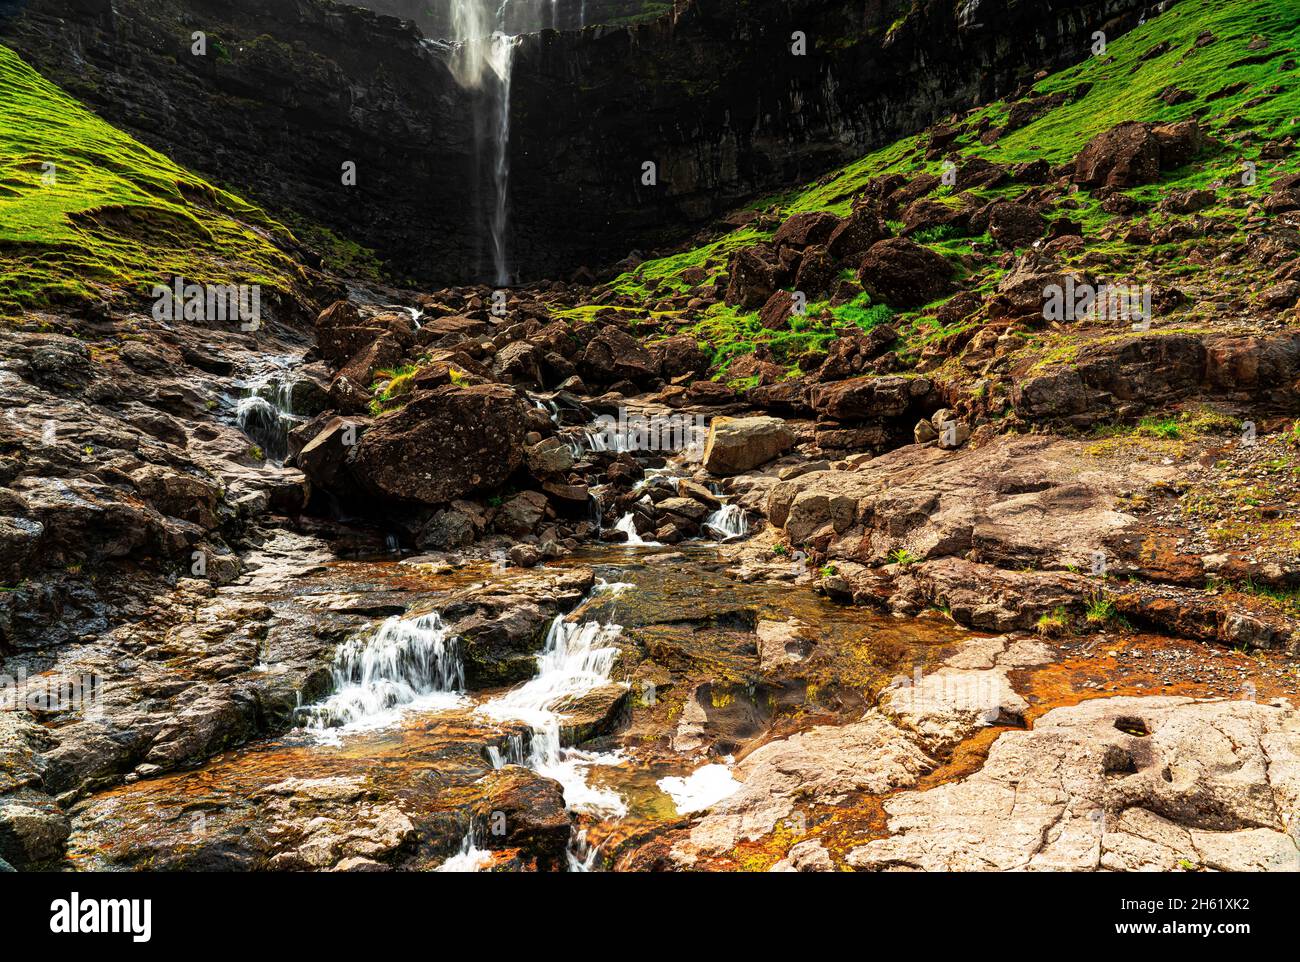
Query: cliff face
pixel 718 101
pixel 292 89
pixel 434 19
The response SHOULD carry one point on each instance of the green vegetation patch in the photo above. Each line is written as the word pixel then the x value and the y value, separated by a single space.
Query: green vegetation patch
pixel 88 214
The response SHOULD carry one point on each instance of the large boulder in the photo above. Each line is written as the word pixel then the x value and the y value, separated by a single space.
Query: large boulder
pixel 1127 155
pixel 341 331
pixel 614 355
pixel 856 234
pixel 1179 142
pixel 870 397
pixel 740 444
pixel 1013 225
pixel 443 444
pixel 754 273
pixel 679 355
pixel 817 273
pixel 805 230
pixel 523 810
pixel 903 274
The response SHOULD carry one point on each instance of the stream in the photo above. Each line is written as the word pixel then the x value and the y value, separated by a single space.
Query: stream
pixel 668 635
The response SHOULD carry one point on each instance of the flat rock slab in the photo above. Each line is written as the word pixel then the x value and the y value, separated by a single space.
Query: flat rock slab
pixel 950 705
pixel 1118 783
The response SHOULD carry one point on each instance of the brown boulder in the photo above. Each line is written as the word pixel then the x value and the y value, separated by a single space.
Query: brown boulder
pixel 903 274
pixel 1179 143
pixel 679 355
pixel 341 331
pixel 1013 225
pixel 870 397
pixel 856 234
pixel 775 313
pixel 523 810
pixel 817 272
pixel 805 230
pixel 443 444
pixel 736 445
pixel 614 355
pixel 1127 155
pixel 754 273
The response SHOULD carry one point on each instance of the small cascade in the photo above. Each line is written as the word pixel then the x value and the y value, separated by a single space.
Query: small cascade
pixel 578 658
pixel 266 413
pixel 599 441
pixel 470 858
pixel 407 663
pixel 627 524
pixel 728 522
pixel 581 854
pixel 550 408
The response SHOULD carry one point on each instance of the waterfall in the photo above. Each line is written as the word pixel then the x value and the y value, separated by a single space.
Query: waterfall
pixel 578 657
pixel 728 522
pixel 266 415
pixel 406 663
pixel 503 55
pixel 627 523
pixel 484 48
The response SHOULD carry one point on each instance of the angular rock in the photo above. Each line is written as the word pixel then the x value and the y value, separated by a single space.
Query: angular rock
pixel 443 444
pixel 903 274
pixel 736 445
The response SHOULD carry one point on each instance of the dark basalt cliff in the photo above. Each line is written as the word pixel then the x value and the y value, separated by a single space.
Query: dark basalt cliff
pixel 292 89
pixel 716 99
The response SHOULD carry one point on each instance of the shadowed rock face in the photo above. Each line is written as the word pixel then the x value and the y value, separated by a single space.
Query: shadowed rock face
pixel 711 94
pixel 434 19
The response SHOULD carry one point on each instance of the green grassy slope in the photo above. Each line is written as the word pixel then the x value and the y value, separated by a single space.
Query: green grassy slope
pixel 111 217
pixel 1238 92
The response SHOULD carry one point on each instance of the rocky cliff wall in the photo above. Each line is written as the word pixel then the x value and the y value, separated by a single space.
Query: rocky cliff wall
pixel 292 89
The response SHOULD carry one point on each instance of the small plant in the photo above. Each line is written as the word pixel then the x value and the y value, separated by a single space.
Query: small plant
pixel 902 557
pixel 828 571
pixel 781 550
pixel 1100 610
pixel 1054 623
pixel 255 452
pixel 1166 428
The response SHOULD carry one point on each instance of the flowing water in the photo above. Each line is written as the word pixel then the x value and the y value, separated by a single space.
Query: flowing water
pixel 577 659
pixel 485 36
pixel 266 412
pixel 399 722
pixel 406 664
pixel 728 523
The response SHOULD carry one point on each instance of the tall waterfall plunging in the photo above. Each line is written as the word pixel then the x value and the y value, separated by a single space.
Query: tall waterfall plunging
pixel 503 55
pixel 485 34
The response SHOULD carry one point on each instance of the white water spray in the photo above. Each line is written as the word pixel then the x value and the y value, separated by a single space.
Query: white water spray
pixel 484 48
pixel 728 522
pixel 408 663
pixel 266 414
pixel 577 658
